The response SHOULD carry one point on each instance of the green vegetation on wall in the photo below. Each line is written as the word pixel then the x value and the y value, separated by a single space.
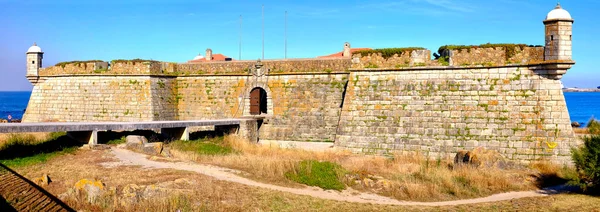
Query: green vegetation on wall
pixel 387 52
pixel 77 62
pixel 134 61
pixel 509 48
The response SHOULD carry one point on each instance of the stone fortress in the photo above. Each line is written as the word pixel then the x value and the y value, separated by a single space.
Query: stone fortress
pixel 500 98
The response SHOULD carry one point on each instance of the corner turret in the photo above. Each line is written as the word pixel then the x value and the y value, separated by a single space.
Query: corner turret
pixel 558 50
pixel 34 63
pixel 559 30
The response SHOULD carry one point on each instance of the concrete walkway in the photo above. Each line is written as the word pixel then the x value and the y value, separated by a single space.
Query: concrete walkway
pixel 91 126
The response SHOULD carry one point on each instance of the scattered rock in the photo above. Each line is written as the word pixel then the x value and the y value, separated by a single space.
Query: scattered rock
pixel 480 157
pixel 575 124
pixel 131 190
pixel 460 157
pixel 3 121
pixel 44 180
pixel 153 191
pixel 91 188
pixel 130 194
pixel 135 141
pixel 154 148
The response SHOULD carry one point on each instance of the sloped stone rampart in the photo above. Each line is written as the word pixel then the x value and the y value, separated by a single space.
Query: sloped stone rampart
pixel 514 110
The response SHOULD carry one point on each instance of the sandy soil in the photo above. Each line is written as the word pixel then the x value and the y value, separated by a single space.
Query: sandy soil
pixel 129 158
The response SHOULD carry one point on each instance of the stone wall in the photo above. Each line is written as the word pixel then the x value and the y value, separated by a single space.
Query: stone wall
pixel 406 59
pixel 206 68
pixel 98 98
pixel 302 107
pixel 305 107
pixel 478 56
pixel 210 97
pixel 521 114
pixel 496 56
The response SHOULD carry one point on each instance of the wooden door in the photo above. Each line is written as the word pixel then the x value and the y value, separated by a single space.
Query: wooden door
pixel 255 102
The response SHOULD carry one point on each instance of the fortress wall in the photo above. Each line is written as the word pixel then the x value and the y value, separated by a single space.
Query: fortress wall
pixel 496 56
pixel 521 114
pixel 276 66
pixel 305 107
pixel 91 98
pixel 163 91
pixel 406 59
pixel 210 97
pixel 478 56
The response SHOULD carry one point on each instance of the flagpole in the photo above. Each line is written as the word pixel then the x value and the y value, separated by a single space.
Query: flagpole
pixel 240 49
pixel 263 32
pixel 285 35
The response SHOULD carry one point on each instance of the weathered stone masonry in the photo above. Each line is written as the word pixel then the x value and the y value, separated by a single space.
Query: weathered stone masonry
pixel 369 104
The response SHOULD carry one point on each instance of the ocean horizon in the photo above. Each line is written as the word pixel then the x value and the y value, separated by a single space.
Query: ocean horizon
pixel 582 106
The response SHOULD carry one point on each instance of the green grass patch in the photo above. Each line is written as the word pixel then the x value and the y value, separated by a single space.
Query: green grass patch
pixel 35 159
pixel 206 146
pixel 325 174
pixel 24 150
pixel 117 141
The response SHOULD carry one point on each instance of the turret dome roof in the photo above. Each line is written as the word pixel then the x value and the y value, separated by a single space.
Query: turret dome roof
pixel 558 13
pixel 34 49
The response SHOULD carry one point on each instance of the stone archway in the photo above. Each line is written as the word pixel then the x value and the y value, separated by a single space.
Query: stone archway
pixel 262 99
pixel 258 101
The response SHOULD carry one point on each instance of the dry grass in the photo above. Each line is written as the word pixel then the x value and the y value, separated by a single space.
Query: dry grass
pixel 208 194
pixel 4 137
pixel 405 177
pixel 583 131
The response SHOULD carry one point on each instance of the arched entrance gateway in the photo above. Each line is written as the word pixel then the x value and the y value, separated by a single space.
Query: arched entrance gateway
pixel 258 101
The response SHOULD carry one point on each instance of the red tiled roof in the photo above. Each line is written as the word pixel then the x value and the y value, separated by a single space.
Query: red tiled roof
pixel 215 57
pixel 340 54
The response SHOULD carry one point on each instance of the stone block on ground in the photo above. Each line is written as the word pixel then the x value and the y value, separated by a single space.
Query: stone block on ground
pixel 135 141
pixel 479 157
pixel 44 180
pixel 93 189
pixel 154 148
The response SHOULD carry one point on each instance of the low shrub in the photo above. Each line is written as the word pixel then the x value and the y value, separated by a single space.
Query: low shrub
pixel 134 61
pixel 386 52
pixel 587 159
pixel 117 141
pixel 77 62
pixel 510 49
pixel 325 174
pixel 593 126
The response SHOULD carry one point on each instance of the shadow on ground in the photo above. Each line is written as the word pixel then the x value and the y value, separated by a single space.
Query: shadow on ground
pixel 152 136
pixel 22 146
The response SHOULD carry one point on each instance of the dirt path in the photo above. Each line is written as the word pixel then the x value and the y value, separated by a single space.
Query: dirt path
pixel 127 157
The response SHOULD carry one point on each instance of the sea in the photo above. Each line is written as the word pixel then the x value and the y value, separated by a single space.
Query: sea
pixel 582 106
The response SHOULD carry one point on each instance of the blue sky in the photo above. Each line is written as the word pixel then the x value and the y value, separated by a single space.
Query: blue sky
pixel 178 30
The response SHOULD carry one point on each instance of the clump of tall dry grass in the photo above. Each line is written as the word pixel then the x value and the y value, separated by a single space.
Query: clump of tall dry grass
pixel 403 176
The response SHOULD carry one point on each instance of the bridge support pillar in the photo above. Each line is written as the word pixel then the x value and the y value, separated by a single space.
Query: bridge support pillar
pixel 179 133
pixel 249 130
pixel 89 137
